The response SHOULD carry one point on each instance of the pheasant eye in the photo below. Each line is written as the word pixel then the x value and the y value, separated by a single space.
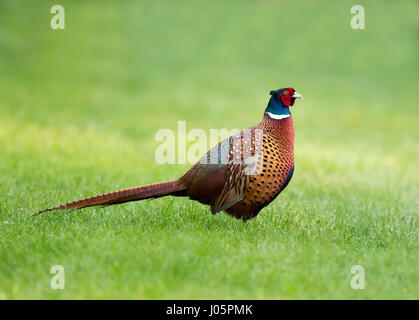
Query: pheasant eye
pixel 285 93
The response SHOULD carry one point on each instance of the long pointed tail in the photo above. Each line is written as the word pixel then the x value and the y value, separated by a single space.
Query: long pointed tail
pixel 154 190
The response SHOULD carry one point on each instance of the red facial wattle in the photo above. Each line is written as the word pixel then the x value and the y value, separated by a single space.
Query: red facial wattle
pixel 286 97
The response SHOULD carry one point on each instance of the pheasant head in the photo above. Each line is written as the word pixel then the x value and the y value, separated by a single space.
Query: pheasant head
pixel 281 101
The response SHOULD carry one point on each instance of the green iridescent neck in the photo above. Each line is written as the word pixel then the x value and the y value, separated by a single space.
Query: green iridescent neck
pixel 276 107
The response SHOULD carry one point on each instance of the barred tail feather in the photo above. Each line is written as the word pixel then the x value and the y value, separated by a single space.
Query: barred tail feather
pixel 154 190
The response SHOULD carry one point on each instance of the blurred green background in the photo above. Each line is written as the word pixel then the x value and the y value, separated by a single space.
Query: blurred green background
pixel 80 107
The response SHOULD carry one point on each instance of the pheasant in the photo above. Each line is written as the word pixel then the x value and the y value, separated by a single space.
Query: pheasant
pixel 241 175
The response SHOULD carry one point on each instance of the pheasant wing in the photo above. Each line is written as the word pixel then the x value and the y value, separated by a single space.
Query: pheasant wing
pixel 241 165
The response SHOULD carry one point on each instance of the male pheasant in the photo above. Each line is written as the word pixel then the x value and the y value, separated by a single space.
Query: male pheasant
pixel 241 175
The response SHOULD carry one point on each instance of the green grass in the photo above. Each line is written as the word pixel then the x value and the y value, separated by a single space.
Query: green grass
pixel 80 107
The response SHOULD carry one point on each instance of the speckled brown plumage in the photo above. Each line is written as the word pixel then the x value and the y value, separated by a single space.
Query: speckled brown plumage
pixel 275 169
pixel 241 175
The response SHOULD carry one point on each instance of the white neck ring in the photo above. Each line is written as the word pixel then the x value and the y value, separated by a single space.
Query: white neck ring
pixel 278 116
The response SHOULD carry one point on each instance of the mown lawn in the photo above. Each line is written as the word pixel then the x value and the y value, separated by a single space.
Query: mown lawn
pixel 80 107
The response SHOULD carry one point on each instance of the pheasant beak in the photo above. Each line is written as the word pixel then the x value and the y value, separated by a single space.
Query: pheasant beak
pixel 296 95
